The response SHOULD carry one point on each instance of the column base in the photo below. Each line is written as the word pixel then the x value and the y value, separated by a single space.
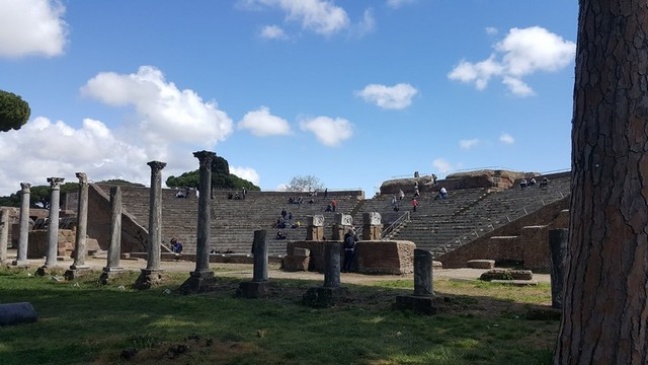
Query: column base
pixel 72 274
pixel 109 273
pixel 417 304
pixel 252 290
pixel 148 279
pixel 20 263
pixel 323 297
pixel 197 283
pixel 45 270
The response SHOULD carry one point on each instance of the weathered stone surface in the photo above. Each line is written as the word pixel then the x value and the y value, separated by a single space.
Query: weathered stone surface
pixel 332 264
pixel 417 304
pixel 252 290
pixel 148 279
pixel 481 264
pixel 371 218
pixel 260 252
pixel 516 282
pixel 17 313
pixel 558 243
pixel 315 220
pixel 422 273
pixel 197 282
pixel 385 257
pixel 437 264
pixel 342 219
pixel 25 191
pixel 506 274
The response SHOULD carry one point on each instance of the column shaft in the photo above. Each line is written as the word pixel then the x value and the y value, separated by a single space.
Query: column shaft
pixel 80 249
pixel 155 216
pixel 114 250
pixel 24 224
pixel 53 225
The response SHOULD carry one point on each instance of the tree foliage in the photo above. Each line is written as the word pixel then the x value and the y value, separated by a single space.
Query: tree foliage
pixel 14 111
pixel 119 182
pixel 221 178
pixel 305 183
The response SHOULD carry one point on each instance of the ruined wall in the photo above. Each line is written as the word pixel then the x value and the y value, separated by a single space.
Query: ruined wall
pixel 525 240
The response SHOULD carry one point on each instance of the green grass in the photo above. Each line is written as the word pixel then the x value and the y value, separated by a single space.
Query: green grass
pixel 83 322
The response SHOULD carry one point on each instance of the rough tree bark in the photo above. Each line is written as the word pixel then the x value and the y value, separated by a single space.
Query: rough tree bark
pixel 605 310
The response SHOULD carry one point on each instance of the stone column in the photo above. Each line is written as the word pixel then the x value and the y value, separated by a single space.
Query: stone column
pixel 21 259
pixel 422 272
pixel 152 274
pixel 329 294
pixel 258 286
pixel 203 237
pixel 422 301
pixel 114 250
pixel 53 225
pixel 332 265
pixel 371 226
pixel 80 249
pixel 341 223
pixel 314 228
pixel 558 243
pixel 4 234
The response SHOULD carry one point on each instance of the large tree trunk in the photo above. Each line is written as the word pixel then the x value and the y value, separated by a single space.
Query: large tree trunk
pixel 605 310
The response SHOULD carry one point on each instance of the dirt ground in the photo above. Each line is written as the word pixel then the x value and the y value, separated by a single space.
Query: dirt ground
pixel 274 271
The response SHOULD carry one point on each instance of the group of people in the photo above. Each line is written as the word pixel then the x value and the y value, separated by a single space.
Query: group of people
pixel 526 184
pixel 331 207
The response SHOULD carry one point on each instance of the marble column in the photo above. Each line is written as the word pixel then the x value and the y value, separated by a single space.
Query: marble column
pixel 53 224
pixel 21 259
pixel 4 234
pixel 152 274
pixel 332 292
pixel 423 299
pixel 80 247
pixel 332 265
pixel 203 237
pixel 558 244
pixel 114 250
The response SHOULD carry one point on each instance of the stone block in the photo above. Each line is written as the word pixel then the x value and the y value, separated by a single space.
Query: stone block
pixel 252 290
pixel 342 219
pixel 437 265
pixel 385 257
pixel 315 221
pixel 295 263
pixel 506 274
pixel 481 264
pixel 371 218
pixel 17 313
pixel 417 304
pixel 301 252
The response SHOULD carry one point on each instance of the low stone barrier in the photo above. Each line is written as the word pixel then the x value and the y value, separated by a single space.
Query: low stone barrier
pixel 481 264
pixel 506 274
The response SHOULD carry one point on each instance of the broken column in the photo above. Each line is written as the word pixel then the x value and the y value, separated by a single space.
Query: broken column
pixel 329 294
pixel 152 275
pixel 258 287
pixel 558 244
pixel 4 234
pixel 52 225
pixel 371 226
pixel 341 224
pixel 314 228
pixel 202 271
pixel 114 250
pixel 80 250
pixel 17 313
pixel 21 259
pixel 422 301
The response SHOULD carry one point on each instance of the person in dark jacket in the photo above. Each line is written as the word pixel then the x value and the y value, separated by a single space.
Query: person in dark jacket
pixel 349 245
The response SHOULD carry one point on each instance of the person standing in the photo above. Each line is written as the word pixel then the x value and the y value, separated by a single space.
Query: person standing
pixel 349 245
pixel 414 204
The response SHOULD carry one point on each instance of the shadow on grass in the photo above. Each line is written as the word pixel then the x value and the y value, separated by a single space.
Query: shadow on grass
pixel 81 322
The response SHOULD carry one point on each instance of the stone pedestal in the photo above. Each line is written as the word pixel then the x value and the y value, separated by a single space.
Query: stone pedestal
pixel 315 228
pixel 258 287
pixel 329 294
pixel 196 283
pixel 298 261
pixel 341 224
pixel 75 272
pixel 109 273
pixel 148 279
pixel 422 301
pixel 252 290
pixel 322 297
pixel 371 226
pixel 420 305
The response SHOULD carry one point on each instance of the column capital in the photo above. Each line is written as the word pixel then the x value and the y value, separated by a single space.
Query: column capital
pixel 156 165
pixel 205 157
pixel 24 186
pixel 83 178
pixel 55 182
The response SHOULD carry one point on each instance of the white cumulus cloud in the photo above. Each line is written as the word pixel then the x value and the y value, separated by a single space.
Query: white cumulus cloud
pixel 506 138
pixel 398 3
pixel 522 52
pixel 246 173
pixel 398 96
pixel 321 16
pixel 273 32
pixel 467 144
pixel 165 113
pixel 328 131
pixel 261 123
pixel 442 165
pixel 32 27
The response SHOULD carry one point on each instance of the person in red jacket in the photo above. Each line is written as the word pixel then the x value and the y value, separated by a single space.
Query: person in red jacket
pixel 414 204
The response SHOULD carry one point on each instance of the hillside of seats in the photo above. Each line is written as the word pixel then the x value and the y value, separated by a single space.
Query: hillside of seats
pixel 441 226
pixel 233 222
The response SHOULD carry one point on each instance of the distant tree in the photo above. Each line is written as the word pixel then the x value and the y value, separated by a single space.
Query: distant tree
pixel 119 182
pixel 305 183
pixel 14 111
pixel 605 303
pixel 12 200
pixel 221 178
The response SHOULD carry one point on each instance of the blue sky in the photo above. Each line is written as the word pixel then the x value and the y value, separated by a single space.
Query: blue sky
pixel 354 92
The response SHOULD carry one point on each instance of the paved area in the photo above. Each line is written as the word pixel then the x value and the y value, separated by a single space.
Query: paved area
pixel 245 270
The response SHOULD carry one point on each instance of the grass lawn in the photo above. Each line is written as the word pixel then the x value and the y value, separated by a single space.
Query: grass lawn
pixel 83 322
